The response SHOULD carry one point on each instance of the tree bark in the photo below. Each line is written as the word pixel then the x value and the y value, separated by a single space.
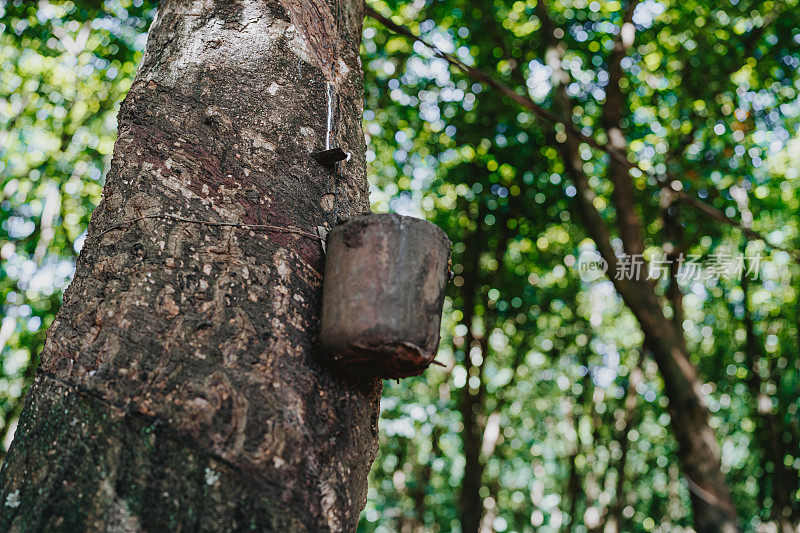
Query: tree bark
pixel 178 389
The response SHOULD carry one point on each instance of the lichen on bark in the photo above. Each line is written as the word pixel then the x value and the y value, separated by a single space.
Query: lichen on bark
pixel 179 388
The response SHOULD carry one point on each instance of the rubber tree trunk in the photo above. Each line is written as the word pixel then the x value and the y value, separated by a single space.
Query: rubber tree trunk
pixel 178 389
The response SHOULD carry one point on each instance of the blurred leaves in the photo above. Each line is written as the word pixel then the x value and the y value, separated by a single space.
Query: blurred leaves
pixel 711 101
pixel 66 67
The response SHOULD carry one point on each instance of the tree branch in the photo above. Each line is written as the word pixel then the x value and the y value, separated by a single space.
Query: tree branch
pixel 573 131
pixel 628 222
pixel 481 76
pixel 721 217
pixel 569 151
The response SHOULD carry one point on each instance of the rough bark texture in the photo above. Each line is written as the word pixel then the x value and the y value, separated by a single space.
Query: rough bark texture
pixel 178 388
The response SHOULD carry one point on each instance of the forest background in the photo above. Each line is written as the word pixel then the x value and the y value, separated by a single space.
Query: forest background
pixel 551 412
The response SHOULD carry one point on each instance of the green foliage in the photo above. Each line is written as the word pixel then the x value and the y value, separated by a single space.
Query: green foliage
pixel 710 94
pixel 546 359
pixel 66 67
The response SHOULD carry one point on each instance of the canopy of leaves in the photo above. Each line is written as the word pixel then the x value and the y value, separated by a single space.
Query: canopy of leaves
pixel 548 369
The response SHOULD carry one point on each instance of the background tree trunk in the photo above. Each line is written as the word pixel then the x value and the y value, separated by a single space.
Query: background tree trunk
pixel 698 450
pixel 469 399
pixel 178 389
